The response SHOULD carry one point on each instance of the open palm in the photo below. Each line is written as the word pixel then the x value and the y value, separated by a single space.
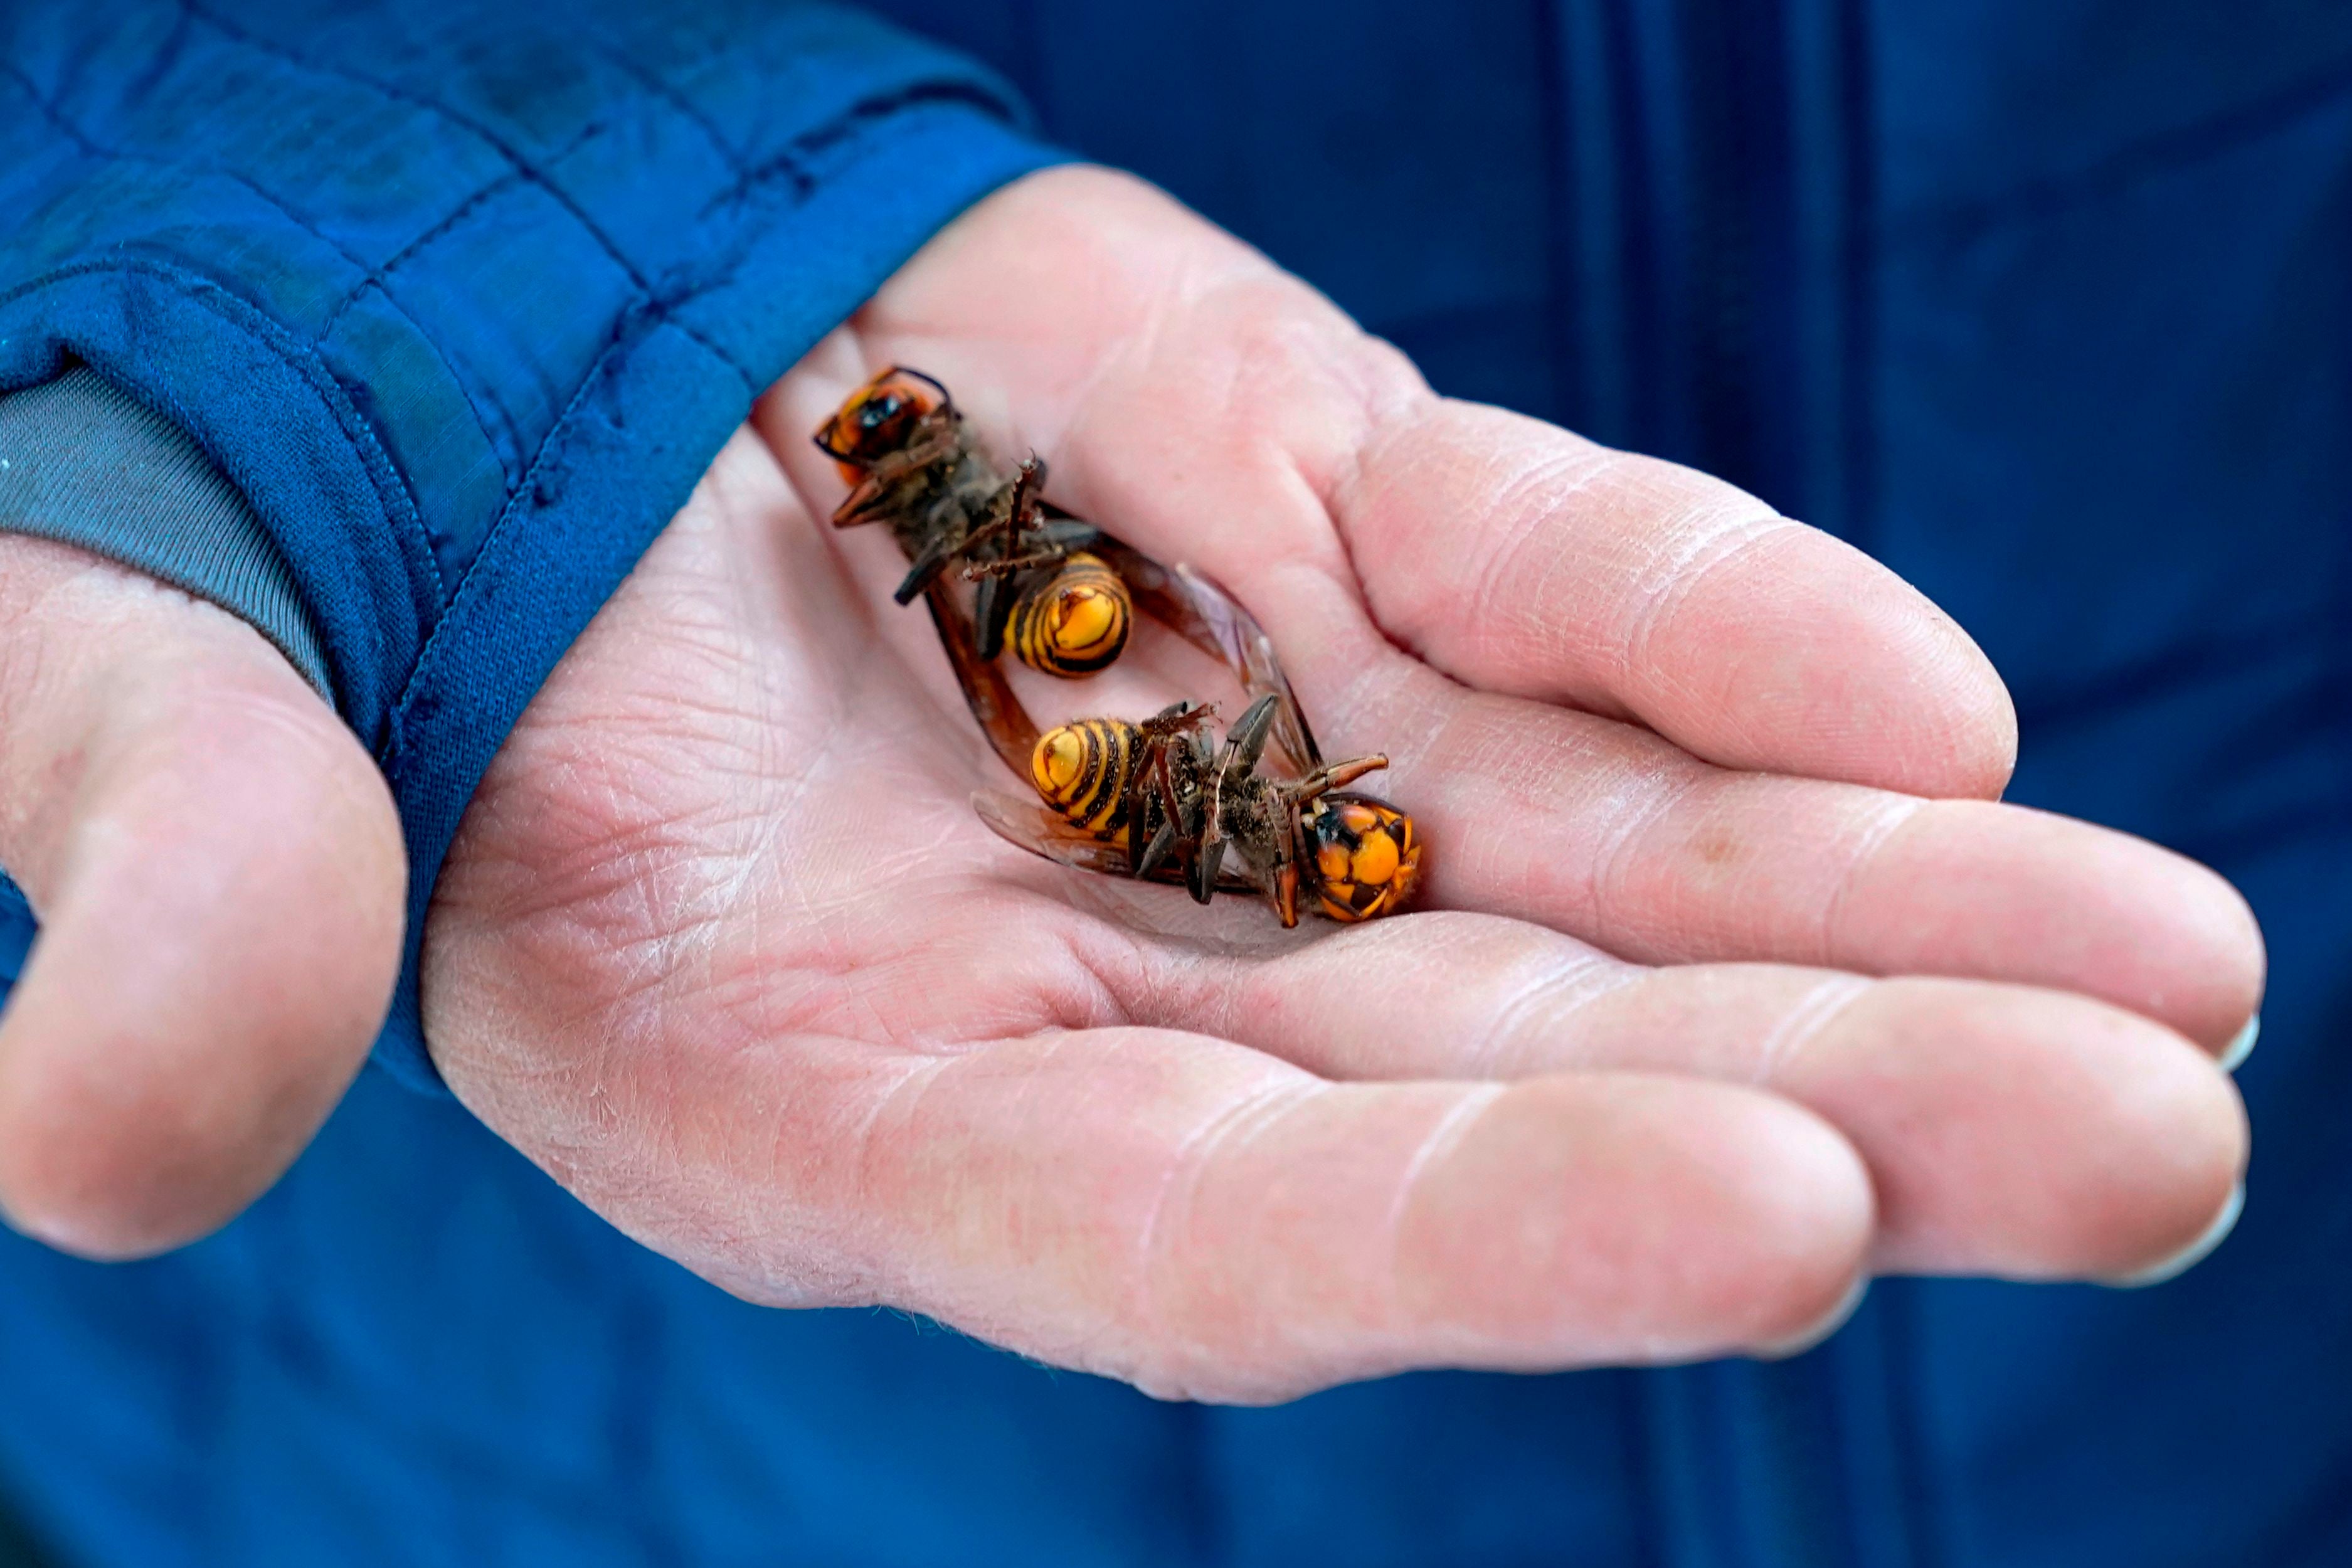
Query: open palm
pixel 723 946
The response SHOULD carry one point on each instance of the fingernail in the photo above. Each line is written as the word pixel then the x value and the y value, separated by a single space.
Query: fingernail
pixel 2194 1253
pixel 2234 1054
pixel 1798 1344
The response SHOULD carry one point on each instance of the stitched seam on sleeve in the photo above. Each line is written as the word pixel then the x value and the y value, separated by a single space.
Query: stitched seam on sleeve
pixel 656 87
pixel 521 165
pixel 457 214
pixel 845 126
pixel 391 487
pixel 623 341
pixel 791 168
pixel 93 149
pixel 790 165
pixel 374 276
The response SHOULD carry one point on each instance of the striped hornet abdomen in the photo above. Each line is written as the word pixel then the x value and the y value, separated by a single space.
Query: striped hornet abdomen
pixel 912 464
pixel 1070 621
pixel 1087 772
pixel 1176 802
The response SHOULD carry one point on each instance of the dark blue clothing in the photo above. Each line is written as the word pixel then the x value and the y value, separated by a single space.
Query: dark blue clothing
pixel 463 300
pixel 2044 303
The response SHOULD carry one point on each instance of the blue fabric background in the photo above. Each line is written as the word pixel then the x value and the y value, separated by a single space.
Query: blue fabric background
pixel 2043 302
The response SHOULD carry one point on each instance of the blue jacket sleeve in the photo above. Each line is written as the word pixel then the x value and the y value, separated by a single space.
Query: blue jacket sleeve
pixel 463 297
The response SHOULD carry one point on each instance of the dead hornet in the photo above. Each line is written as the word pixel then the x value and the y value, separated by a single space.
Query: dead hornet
pixel 1165 786
pixel 902 445
pixel 1109 785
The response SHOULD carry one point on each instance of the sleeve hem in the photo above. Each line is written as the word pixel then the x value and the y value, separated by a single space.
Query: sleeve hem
pixel 579 521
pixel 84 463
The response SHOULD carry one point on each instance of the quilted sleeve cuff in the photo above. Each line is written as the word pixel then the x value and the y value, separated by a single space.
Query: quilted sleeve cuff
pixel 81 462
pixel 467 343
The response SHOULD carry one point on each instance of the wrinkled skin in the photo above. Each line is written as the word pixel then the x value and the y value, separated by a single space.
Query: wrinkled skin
pixel 1728 984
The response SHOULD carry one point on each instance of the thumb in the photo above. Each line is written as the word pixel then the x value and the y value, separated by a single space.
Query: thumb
pixel 218 873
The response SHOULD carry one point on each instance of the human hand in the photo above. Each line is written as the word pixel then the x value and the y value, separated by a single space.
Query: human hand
pixel 722 946
pixel 218 871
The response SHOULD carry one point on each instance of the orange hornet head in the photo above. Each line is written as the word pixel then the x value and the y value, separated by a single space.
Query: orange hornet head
pixel 1366 855
pixel 879 419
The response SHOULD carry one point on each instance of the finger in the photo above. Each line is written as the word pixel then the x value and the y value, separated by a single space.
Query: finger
pixel 1606 832
pixel 1520 559
pixel 1209 1223
pixel 1601 831
pixel 2008 1130
pixel 1207 407
pixel 218 875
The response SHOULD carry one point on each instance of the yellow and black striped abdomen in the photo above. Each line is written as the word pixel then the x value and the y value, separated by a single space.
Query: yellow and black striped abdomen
pixel 1074 622
pixel 1085 771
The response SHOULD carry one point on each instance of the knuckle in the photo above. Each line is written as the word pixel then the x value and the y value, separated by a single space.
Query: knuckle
pixel 1700 546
